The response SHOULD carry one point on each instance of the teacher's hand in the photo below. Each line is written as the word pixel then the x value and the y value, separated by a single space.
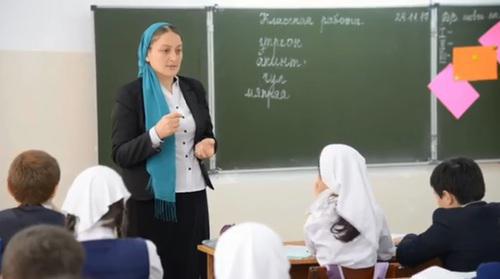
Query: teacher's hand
pixel 204 149
pixel 168 124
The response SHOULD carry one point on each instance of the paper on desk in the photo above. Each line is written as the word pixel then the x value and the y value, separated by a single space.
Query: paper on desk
pixel 295 252
pixel 435 272
pixel 210 242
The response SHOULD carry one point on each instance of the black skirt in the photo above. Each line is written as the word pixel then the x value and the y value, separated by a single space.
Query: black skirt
pixel 176 242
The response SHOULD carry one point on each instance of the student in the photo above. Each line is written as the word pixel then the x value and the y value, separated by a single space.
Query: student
pixel 32 180
pixel 43 252
pixel 95 207
pixel 346 227
pixel 250 251
pixel 465 231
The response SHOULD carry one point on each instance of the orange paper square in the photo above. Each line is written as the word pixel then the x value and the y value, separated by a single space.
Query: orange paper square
pixel 475 63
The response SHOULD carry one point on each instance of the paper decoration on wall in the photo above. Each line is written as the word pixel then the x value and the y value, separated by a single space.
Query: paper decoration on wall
pixel 456 95
pixel 492 38
pixel 475 63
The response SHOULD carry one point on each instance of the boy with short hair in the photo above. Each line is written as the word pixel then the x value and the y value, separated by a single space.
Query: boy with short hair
pixel 32 181
pixel 43 252
pixel 465 230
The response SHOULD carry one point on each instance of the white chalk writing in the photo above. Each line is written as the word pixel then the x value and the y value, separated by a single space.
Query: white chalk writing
pixel 443 43
pixel 475 16
pixel 271 92
pixel 279 62
pixel 449 18
pixel 494 15
pixel 267 19
pixel 272 42
pixel 412 17
pixel 338 19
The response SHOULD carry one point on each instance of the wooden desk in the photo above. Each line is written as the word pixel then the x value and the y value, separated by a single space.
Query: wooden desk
pixel 397 271
pixel 298 268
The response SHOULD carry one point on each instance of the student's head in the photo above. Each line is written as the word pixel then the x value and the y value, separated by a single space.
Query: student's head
pixel 43 252
pixel 457 181
pixel 163 46
pixel 344 173
pixel 95 198
pixel 250 251
pixel 33 177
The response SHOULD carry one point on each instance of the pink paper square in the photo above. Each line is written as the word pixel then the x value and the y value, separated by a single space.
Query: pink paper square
pixel 456 95
pixel 492 38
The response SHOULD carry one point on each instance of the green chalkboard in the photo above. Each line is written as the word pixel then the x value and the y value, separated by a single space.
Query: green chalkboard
pixel 477 133
pixel 289 81
pixel 117 35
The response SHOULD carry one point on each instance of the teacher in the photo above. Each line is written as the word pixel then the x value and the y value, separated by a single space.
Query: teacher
pixel 161 134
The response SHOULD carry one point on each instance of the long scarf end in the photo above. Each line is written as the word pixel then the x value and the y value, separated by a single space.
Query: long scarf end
pixel 165 211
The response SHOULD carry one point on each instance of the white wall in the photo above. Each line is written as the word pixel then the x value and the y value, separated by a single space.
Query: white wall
pixel 48 101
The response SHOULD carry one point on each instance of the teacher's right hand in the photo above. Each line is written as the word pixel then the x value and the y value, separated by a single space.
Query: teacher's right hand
pixel 168 124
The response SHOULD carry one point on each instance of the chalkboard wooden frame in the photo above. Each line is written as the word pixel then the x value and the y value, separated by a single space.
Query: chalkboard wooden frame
pixel 206 71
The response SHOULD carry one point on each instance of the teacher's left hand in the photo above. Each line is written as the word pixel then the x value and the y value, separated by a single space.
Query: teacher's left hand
pixel 204 149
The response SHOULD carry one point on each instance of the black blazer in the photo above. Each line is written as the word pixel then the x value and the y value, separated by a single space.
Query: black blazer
pixel 462 238
pixel 131 142
pixel 15 219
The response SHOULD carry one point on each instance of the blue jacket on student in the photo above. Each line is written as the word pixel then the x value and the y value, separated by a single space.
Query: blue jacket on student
pixel 462 238
pixel 116 258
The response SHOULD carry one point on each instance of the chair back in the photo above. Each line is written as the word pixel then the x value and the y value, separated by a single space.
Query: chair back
pixel 333 272
pixel 488 270
pixel 358 273
pixel 317 272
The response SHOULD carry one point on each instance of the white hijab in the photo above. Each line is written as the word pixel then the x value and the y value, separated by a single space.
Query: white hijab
pixel 343 170
pixel 250 251
pixel 91 194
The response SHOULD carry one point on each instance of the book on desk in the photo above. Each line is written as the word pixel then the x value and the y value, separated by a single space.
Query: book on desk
pixel 293 251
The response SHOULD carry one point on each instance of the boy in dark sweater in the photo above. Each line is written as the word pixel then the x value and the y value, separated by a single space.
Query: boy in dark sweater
pixel 32 181
pixel 465 230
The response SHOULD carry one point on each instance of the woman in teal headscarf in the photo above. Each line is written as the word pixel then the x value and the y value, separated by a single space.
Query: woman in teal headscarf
pixel 162 132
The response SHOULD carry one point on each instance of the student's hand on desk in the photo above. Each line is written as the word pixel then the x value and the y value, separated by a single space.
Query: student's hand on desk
pixel 204 149
pixel 168 124
pixel 397 240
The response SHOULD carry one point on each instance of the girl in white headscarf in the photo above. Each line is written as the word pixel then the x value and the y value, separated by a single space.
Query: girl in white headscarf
pixel 250 251
pixel 95 205
pixel 346 227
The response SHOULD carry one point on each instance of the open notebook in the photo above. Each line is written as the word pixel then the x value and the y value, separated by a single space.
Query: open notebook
pixel 297 252
pixel 293 252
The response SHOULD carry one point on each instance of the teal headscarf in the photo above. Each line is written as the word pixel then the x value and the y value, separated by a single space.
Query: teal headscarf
pixel 161 167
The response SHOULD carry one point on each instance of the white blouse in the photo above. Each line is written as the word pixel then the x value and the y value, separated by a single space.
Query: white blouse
pixel 358 253
pixel 188 171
